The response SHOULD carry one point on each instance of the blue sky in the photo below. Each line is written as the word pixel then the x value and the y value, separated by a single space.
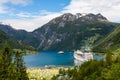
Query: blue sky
pixel 33 7
pixel 31 14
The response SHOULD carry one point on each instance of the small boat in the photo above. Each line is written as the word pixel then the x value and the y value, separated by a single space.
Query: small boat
pixel 60 52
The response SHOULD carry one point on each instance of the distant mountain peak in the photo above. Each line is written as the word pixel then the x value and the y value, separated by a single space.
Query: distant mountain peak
pixel 61 20
pixel 101 17
pixel 78 15
pixel 67 17
pixel 67 14
pixel 96 17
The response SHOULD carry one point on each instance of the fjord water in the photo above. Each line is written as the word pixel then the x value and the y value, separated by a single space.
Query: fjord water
pixel 47 58
pixel 50 59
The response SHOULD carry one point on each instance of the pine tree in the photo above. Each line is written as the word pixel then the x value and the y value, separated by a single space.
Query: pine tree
pixel 109 58
pixel 20 67
pixel 6 65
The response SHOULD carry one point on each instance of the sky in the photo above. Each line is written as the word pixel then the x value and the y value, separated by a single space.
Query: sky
pixel 32 14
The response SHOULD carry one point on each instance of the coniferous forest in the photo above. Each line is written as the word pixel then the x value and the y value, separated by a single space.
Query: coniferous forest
pixel 12 65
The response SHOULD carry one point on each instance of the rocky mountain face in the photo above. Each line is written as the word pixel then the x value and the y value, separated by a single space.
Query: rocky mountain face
pixel 66 32
pixel 69 31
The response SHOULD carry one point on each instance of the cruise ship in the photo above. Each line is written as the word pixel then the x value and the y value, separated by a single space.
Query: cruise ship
pixel 83 56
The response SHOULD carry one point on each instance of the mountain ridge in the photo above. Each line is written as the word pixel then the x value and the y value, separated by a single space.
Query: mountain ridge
pixel 67 32
pixel 14 44
pixel 20 35
pixel 66 25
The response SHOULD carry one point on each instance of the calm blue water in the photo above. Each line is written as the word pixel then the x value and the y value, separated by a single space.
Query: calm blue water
pixel 51 59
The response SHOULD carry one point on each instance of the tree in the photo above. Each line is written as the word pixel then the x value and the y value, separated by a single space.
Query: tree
pixel 20 67
pixel 109 58
pixel 113 73
pixel 6 65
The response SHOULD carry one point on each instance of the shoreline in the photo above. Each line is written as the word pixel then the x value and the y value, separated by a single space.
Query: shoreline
pixel 49 67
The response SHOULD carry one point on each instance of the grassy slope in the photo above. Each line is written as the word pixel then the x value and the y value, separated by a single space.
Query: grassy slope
pixel 111 42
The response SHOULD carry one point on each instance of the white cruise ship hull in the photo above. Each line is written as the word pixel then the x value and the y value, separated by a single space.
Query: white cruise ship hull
pixel 82 57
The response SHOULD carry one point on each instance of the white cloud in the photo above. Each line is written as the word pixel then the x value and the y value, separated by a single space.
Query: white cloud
pixel 109 8
pixel 20 2
pixel 3 9
pixel 3 1
pixel 45 12
pixel 24 15
pixel 16 2
pixel 30 24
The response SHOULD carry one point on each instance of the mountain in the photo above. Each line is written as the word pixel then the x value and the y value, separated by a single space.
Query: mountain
pixel 111 42
pixel 69 32
pixel 66 32
pixel 5 38
pixel 14 44
pixel 20 35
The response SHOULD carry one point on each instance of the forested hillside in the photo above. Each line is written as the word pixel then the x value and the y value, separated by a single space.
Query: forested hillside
pixel 111 42
pixel 4 38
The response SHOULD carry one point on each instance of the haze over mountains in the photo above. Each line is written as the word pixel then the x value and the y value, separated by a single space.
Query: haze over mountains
pixel 66 32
